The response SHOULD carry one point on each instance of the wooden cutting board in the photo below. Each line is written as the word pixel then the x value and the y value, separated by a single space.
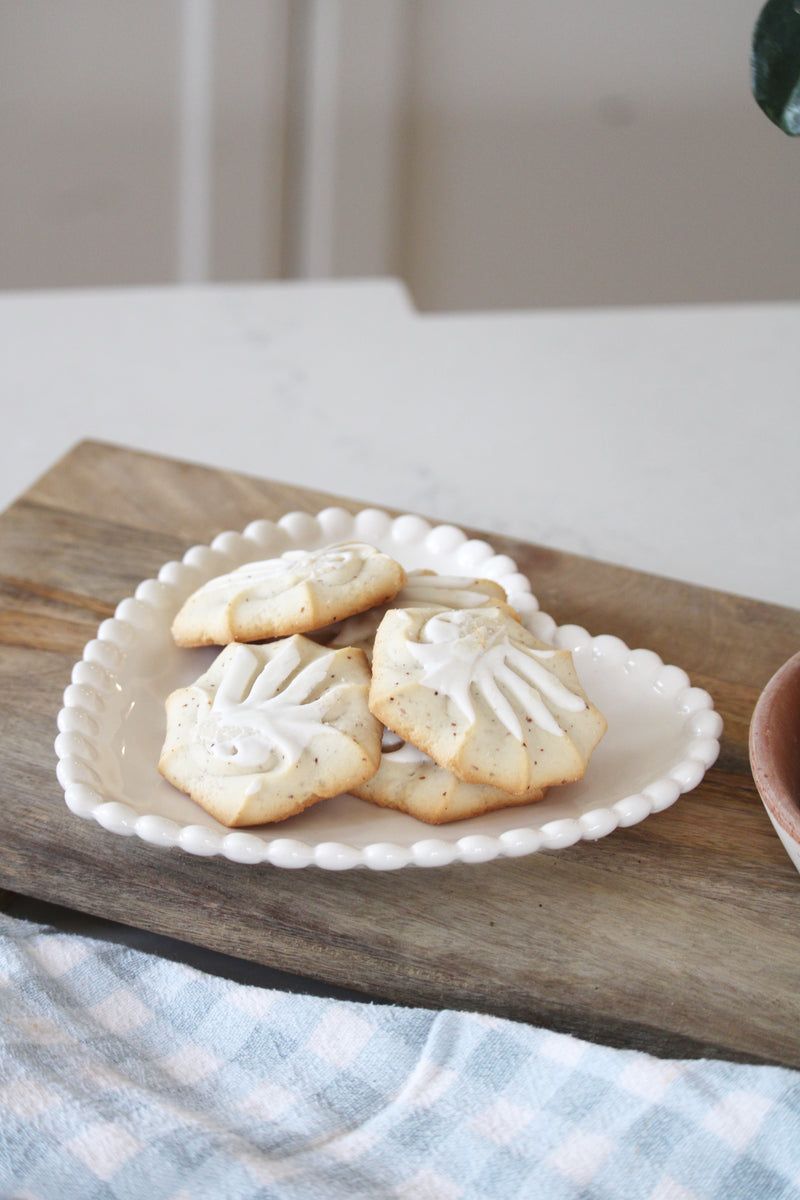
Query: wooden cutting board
pixel 680 935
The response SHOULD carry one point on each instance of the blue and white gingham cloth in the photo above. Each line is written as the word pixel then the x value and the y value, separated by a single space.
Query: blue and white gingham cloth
pixel 125 1075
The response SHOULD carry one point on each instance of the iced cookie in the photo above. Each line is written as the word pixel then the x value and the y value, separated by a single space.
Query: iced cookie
pixel 411 782
pixel 483 697
pixel 423 589
pixel 295 593
pixel 269 730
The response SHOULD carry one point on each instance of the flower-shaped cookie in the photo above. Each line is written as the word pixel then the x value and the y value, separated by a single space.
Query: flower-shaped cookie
pixel 483 697
pixel 294 593
pixel 269 730
pixel 411 782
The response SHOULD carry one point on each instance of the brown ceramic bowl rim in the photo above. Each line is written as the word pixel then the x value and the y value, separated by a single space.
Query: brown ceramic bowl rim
pixel 767 754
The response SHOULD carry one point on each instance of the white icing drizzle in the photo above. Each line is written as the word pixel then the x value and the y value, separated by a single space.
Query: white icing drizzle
pixel 272 576
pixel 422 590
pixel 460 654
pixel 258 721
pixel 451 591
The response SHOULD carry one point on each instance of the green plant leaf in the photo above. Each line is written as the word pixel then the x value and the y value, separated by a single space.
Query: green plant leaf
pixel 775 63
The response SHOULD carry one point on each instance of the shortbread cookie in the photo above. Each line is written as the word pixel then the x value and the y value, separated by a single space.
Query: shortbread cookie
pixel 483 697
pixel 295 593
pixel 409 781
pixel 269 730
pixel 424 589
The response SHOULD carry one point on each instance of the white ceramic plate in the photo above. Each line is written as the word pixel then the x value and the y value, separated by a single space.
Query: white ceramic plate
pixel 662 732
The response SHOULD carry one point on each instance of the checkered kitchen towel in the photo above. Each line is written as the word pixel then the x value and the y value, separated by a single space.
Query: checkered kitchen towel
pixel 125 1075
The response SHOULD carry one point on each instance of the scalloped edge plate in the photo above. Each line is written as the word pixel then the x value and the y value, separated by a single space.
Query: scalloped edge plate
pixel 663 734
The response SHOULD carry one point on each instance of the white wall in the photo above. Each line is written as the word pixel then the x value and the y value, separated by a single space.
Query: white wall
pixel 101 139
pixel 87 141
pixel 609 153
pixel 494 153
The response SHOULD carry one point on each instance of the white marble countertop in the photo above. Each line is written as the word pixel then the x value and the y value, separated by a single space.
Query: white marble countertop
pixel 664 439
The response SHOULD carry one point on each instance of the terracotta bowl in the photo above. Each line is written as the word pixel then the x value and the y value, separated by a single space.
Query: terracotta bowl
pixel 775 754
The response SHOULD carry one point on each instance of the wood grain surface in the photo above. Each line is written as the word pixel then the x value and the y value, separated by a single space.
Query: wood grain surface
pixel 680 935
